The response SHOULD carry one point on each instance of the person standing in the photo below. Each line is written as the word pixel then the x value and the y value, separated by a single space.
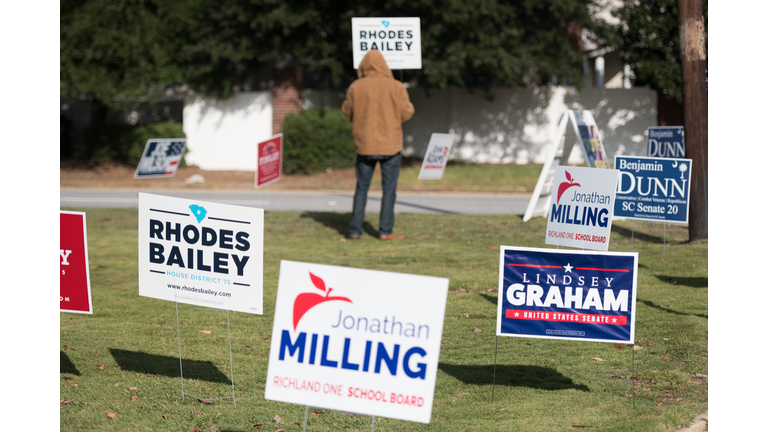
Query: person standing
pixel 377 105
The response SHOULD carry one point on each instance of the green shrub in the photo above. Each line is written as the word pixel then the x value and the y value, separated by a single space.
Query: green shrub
pixel 125 144
pixel 316 140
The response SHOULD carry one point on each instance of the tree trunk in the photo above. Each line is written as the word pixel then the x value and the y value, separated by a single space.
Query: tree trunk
pixel 694 65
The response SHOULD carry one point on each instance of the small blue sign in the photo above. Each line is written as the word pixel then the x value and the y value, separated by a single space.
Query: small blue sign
pixel 653 189
pixel 161 158
pixel 666 142
pixel 572 295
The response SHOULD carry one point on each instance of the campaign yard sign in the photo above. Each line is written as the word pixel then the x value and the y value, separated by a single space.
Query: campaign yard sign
pixel 436 157
pixel 666 141
pixel 161 158
pixel 653 189
pixel 356 340
pixel 398 40
pixel 570 295
pixel 589 136
pixel 269 164
pixel 201 253
pixel 75 285
pixel 582 207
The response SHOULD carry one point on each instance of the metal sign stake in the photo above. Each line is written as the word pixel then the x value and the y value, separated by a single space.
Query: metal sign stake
pixel 181 369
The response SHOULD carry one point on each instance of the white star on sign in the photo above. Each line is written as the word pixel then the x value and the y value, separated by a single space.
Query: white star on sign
pixel 568 267
pixel 614 320
pixel 516 314
pixel 198 212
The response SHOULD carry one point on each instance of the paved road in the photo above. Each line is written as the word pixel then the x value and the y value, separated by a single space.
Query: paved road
pixel 310 201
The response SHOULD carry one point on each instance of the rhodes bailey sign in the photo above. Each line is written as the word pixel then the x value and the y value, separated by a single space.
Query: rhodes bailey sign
pixel 356 340
pixel 573 295
pixel 398 40
pixel 655 189
pixel 582 207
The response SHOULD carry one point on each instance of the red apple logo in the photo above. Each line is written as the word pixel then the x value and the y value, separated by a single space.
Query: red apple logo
pixel 306 301
pixel 564 186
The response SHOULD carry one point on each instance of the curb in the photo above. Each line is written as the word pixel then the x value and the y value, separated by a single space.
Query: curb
pixel 699 424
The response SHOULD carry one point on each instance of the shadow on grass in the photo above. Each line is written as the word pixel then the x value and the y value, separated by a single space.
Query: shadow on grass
pixel 339 222
pixel 693 282
pixel 169 366
pixel 491 298
pixel 66 365
pixel 662 308
pixel 640 236
pixel 537 377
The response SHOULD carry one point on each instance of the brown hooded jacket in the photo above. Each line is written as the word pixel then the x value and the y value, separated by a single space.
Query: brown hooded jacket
pixel 377 104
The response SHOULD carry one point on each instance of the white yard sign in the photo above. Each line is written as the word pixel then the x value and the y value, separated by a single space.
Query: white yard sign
pixel 436 157
pixel 398 39
pixel 360 341
pixel 201 253
pixel 582 207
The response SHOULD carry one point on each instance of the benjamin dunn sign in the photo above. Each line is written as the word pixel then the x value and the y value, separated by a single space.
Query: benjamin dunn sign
pixel 573 295
pixel 398 39
pixel 654 189
pixel 356 340
pixel 201 253
pixel 582 207
pixel 666 141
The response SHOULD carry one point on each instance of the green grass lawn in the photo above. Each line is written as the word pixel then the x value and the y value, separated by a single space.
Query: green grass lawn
pixel 541 385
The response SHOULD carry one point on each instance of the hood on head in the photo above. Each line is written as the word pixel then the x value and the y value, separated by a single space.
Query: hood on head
pixel 373 64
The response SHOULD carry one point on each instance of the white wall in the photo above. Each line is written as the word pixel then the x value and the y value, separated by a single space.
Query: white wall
pixel 222 135
pixel 516 126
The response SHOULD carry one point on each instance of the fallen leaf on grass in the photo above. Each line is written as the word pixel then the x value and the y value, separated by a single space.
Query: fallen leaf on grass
pixel 133 398
pixel 465 315
pixel 66 401
pixel 445 342
pixel 619 347
pixel 317 413
pixel 665 357
pixel 67 377
pixel 64 347
pixel 111 415
pixel 597 359
pixel 266 338
pixel 278 419
pixel 222 322
pixel 133 388
pixel 660 404
pixel 159 325
pixel 162 417
pixel 493 247
pixel 461 290
pixel 197 412
pixel 343 240
pixel 101 366
pixel 477 330
pixel 259 426
pixel 490 290
pixel 528 344
pixel 205 331
pixel 247 346
pixel 280 430
pixel 608 390
pixel 351 415
pixel 75 385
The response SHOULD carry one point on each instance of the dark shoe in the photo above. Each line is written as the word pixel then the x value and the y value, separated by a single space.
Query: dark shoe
pixel 392 236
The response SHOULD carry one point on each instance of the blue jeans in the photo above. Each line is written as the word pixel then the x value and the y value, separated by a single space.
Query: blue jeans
pixel 390 171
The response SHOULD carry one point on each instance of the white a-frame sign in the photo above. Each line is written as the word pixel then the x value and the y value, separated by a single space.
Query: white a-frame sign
pixel 587 136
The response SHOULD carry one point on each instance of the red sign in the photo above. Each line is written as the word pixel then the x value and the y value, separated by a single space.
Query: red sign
pixel 269 166
pixel 75 286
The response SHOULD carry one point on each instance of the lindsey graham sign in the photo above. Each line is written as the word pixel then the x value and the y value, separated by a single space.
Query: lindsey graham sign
pixel 201 253
pixel 356 340
pixel 582 210
pixel 572 295
pixel 398 40
pixel 653 189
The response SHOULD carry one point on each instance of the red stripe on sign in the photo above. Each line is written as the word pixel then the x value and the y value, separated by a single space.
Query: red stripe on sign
pixel 173 163
pixel 532 265
pixel 168 172
pixel 601 269
pixel 433 166
pixel 565 317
